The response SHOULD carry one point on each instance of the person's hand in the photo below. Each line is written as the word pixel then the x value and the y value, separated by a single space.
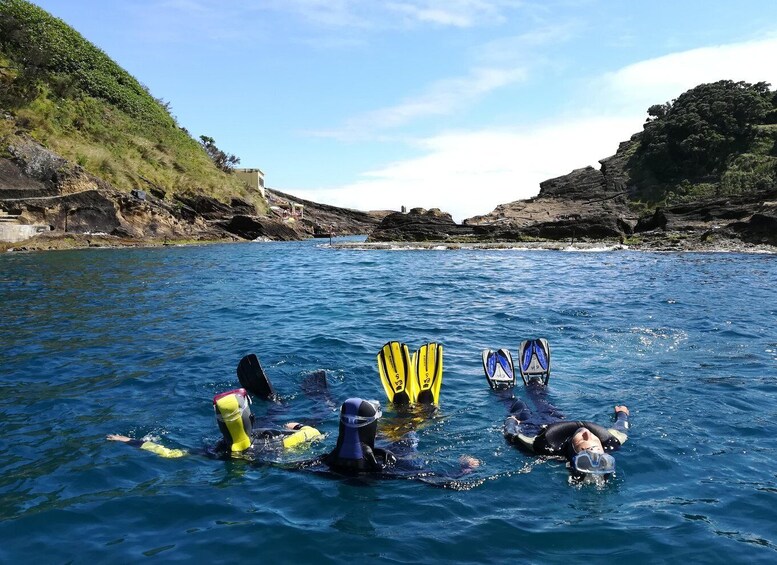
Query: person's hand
pixel 623 409
pixel 291 425
pixel 117 437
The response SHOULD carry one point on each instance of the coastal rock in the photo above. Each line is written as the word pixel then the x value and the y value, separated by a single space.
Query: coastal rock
pixel 253 227
pixel 761 228
pixel 206 206
pixel 419 225
pixel 41 188
pixel 321 220
pixel 584 204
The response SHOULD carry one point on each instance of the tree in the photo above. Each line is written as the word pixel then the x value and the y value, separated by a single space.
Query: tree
pixel 224 161
pixel 693 136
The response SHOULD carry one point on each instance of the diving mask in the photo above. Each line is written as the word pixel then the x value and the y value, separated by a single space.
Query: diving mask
pixel 355 421
pixel 592 463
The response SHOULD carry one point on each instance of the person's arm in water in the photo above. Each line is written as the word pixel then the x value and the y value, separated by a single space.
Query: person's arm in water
pixel 620 429
pixel 297 434
pixel 293 435
pixel 160 450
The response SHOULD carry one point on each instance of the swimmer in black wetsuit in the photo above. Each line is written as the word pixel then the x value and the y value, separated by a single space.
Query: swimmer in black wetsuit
pixel 240 439
pixel 585 445
pixel 544 431
pixel 355 453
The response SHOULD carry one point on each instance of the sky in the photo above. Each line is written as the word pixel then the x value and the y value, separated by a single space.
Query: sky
pixel 460 105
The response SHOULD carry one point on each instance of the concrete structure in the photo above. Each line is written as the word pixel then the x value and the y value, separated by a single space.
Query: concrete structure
pixel 289 210
pixel 12 231
pixel 253 178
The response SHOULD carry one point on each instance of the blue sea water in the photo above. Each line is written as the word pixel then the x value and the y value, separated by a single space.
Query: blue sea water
pixel 137 342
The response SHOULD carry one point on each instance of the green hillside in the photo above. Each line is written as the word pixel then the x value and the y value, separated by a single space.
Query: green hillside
pixel 717 139
pixel 70 96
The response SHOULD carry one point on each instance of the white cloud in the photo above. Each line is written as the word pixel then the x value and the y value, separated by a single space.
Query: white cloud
pixel 441 98
pixel 470 172
pixel 454 13
pixel 638 86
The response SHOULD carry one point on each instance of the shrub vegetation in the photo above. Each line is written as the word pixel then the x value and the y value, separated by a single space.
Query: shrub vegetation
pixel 716 139
pixel 69 95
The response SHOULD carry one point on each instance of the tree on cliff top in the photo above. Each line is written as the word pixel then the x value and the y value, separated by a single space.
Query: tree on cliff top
pixel 694 136
pixel 224 161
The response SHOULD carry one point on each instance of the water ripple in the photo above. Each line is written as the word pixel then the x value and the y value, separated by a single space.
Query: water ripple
pixel 139 341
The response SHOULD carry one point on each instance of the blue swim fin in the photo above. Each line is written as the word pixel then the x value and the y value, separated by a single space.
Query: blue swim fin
pixel 498 366
pixel 535 361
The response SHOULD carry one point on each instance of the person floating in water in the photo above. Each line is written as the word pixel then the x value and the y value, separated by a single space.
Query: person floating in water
pixel 241 437
pixel 585 445
pixel 412 384
pixel 355 453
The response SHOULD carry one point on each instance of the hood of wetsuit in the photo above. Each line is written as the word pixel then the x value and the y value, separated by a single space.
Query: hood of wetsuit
pixel 358 425
pixel 233 415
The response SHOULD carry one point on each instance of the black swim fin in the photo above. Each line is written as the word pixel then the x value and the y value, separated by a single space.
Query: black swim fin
pixel 534 361
pixel 253 378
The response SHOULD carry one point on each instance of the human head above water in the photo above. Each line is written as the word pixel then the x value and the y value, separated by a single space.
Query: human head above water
pixel 586 455
pixel 359 421
pixel 585 440
pixel 233 415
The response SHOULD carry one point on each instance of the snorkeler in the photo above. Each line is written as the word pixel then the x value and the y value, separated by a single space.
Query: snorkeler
pixel 354 454
pixel 585 445
pixel 240 435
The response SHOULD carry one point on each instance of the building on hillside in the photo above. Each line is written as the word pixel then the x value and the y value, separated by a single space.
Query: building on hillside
pixel 254 178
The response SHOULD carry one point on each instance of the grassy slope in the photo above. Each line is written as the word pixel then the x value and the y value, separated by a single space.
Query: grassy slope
pixel 85 107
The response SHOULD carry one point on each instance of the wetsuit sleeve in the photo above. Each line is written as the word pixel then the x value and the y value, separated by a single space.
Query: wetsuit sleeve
pixel 301 436
pixel 620 429
pixel 160 450
pixel 512 433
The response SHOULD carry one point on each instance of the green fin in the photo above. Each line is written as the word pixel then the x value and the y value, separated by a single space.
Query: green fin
pixel 396 373
pixel 428 369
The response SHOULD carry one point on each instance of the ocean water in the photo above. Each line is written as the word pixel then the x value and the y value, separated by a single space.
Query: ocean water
pixel 138 341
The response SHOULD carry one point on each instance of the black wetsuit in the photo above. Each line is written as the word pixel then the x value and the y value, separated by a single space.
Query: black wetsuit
pixel 546 432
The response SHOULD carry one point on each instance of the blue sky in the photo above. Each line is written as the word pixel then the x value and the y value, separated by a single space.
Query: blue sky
pixel 455 104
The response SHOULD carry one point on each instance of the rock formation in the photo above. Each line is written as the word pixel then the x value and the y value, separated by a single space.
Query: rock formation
pixel 40 188
pixel 594 205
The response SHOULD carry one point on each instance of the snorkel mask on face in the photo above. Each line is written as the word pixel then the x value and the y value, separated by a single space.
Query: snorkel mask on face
pixel 592 463
pixel 354 417
pixel 233 414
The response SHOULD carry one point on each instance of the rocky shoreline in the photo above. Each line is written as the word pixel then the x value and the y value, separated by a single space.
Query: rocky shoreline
pixel 586 209
pixel 723 246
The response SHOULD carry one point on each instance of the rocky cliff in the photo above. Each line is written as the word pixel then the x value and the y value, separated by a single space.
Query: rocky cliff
pixel 72 207
pixel 597 205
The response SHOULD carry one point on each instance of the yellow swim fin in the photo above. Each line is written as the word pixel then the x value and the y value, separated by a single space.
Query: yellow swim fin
pixel 428 369
pixel 396 373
